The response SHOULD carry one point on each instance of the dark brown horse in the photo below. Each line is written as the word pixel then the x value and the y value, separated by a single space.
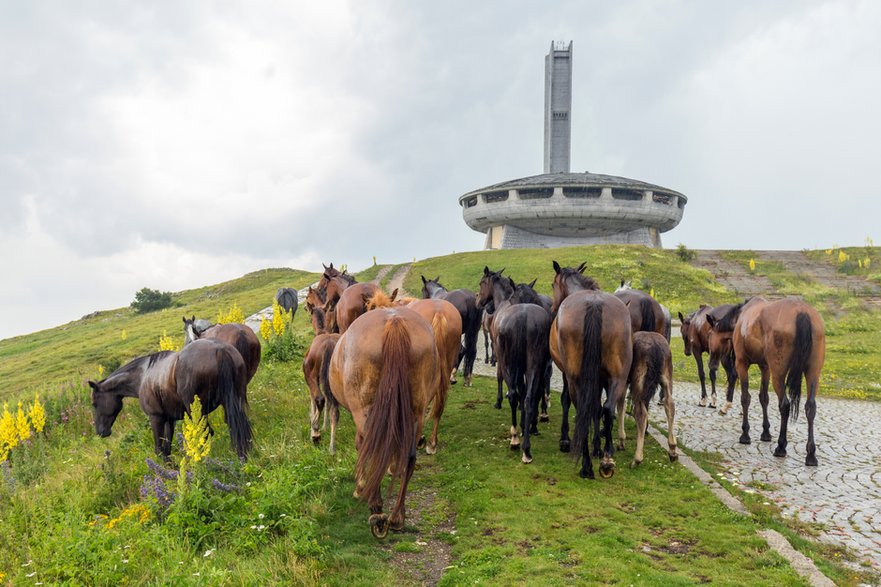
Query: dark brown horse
pixel 238 335
pixel 698 338
pixel 591 343
pixel 331 272
pixel 786 339
pixel 646 314
pixel 384 370
pixel 465 302
pixel 524 293
pixel 652 367
pixel 165 384
pixel 316 368
pixel 520 336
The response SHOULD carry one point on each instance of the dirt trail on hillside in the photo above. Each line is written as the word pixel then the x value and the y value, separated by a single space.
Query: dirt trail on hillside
pixel 382 273
pixel 733 276
pixel 824 273
pixel 397 281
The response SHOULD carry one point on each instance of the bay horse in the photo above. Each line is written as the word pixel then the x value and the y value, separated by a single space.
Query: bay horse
pixel 316 367
pixel 591 342
pixel 786 338
pixel 646 314
pixel 668 318
pixel 288 299
pixel 239 336
pixel 652 367
pixel 333 291
pixel 699 337
pixel 384 370
pixel 465 302
pixel 165 384
pixel 330 272
pixel 520 336
pixel 524 293
pixel 314 303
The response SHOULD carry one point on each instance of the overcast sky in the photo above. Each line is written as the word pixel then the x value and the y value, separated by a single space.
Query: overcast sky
pixel 184 144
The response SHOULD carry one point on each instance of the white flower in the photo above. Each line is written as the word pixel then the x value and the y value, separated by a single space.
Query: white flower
pixel 260 516
pixel 261 527
pixel 31 574
pixel 208 552
pixel 125 561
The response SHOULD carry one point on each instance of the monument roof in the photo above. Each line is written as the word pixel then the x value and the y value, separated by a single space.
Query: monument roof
pixel 575 179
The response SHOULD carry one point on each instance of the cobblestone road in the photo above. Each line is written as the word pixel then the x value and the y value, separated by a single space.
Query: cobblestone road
pixel 843 492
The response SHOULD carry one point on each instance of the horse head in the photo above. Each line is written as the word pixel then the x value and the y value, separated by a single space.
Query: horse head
pixel 105 407
pixel 524 293
pixel 432 288
pixel 489 283
pixel 568 280
pixel 685 329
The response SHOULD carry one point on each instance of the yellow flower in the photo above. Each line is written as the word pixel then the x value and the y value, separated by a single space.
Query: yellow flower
pixel 842 256
pixel 652 292
pixel 137 511
pixel 752 264
pixel 280 319
pixel 123 335
pixel 265 328
pixel 22 427
pixel 37 415
pixel 8 433
pixel 828 251
pixel 197 440
pixel 234 315
pixel 866 262
pixel 100 371
pixel 166 343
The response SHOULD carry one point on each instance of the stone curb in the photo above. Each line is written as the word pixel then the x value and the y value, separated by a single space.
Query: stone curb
pixel 802 565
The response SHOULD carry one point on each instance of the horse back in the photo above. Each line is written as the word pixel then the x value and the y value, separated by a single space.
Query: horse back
pixel 243 339
pixel 200 370
pixel 158 389
pixel 616 331
pixel 778 322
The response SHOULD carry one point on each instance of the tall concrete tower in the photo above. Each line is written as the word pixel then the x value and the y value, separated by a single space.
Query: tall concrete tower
pixel 558 107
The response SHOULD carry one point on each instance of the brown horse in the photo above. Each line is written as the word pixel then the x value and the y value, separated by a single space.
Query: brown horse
pixel 591 343
pixel 336 287
pixel 465 302
pixel 696 334
pixel 787 340
pixel 316 366
pixel 331 272
pixel 652 367
pixel 238 335
pixel 646 314
pixel 165 384
pixel 384 370
pixel 314 302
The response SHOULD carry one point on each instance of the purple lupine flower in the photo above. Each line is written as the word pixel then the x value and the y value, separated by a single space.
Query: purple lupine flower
pixel 225 487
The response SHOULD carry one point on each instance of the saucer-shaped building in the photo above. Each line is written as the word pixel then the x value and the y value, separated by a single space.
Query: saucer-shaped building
pixel 561 208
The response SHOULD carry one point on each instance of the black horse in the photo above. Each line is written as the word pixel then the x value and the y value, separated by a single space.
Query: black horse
pixel 465 302
pixel 520 335
pixel 524 293
pixel 165 384
pixel 287 299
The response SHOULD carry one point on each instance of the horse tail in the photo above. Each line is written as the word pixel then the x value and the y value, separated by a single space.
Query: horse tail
pixel 653 370
pixel 324 377
pixel 232 389
pixel 798 361
pixel 647 314
pixel 512 346
pixel 471 328
pixel 589 385
pixel 439 327
pixel 389 431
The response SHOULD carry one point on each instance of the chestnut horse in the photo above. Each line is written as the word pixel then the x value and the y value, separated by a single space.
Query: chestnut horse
pixel 591 343
pixel 238 335
pixel 314 303
pixel 316 366
pixel 465 302
pixel 652 367
pixel 384 370
pixel 165 384
pixel 787 340
pixel 520 336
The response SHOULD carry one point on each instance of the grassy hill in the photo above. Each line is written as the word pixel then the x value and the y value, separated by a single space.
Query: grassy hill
pixel 476 515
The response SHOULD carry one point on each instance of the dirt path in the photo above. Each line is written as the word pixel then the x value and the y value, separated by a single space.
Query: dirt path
pixel 732 275
pixel 382 273
pixel 397 280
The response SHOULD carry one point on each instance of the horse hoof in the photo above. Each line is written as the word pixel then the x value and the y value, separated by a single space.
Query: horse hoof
pixel 607 470
pixel 779 452
pixel 525 459
pixel 703 402
pixel 586 473
pixel 397 526
pixel 316 439
pixel 564 446
pixel 430 450
pixel 515 446
pixel 811 461
pixel 712 405
pixel 453 382
pixel 620 446
pixel 379 525
pixel 633 464
pixel 766 436
pixel 468 381
pixel 744 439
pixel 673 457
pixel 544 418
pixel 535 432
pixel 498 405
pixel 421 443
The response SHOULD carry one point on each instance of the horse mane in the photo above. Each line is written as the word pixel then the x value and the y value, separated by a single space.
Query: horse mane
pixel 379 299
pixel 583 280
pixel 726 322
pixel 525 294
pixel 405 301
pixel 138 362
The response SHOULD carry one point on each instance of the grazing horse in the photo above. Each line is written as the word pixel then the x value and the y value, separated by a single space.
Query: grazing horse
pixel 668 319
pixel 165 384
pixel 591 343
pixel 787 340
pixel 238 335
pixel 520 337
pixel 384 370
pixel 287 299
pixel 465 302
pixel 652 366
pixel 316 366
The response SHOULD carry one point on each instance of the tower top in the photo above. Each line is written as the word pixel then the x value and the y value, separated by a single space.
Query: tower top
pixel 558 107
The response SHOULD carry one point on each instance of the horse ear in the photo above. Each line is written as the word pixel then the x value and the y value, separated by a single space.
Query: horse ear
pixel 511 281
pixel 622 283
pixel 424 282
pixel 193 318
pixel 681 319
pixel 94 385
pixel 184 318
pixel 325 266
pixel 437 279
pixel 331 265
pixel 581 267
pixel 557 268
pixel 394 295
pixel 486 271
pixel 532 283
pixel 627 303
pixel 711 321
pixel 500 270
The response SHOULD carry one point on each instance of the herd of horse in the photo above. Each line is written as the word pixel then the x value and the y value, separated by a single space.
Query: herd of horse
pixel 389 360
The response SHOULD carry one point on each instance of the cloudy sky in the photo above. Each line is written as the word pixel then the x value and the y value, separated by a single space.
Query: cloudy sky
pixel 187 143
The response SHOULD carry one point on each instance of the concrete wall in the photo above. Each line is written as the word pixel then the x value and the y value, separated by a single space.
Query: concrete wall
pixel 517 238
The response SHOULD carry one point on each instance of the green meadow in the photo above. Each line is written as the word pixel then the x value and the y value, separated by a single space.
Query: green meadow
pixel 79 509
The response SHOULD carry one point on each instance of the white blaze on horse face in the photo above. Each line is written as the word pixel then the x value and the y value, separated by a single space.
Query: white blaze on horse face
pixel 190 333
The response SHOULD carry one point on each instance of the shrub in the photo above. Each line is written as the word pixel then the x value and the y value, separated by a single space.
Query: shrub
pixel 684 253
pixel 150 300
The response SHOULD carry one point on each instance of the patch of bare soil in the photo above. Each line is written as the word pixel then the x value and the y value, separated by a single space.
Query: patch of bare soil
pixel 397 281
pixel 382 273
pixel 427 565
pixel 733 276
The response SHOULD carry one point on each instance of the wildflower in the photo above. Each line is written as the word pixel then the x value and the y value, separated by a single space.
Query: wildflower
pixel 100 371
pixel 136 511
pixel 8 433
pixel 842 256
pixel 752 264
pixel 37 415
pixel 123 335
pixel 280 319
pixel 866 262
pixel 22 427
pixel 652 292
pixel 225 487
pixel 197 440
pixel 265 329
pixel 167 343
pixel 208 553
pixel 234 315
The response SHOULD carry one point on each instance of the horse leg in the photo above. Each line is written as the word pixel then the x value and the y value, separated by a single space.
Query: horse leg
pixel 498 405
pixel 670 409
pixel 617 388
pixel 485 347
pixel 437 410
pixel 379 522
pixel 728 365
pixel 169 435
pixel 314 417
pixel 640 414
pixel 334 420
pixel 565 402
pixel 713 364
pixel 527 415
pixel 810 412
pixel 743 375
pixel 698 357
pixel 157 424
pixel 783 406
pixel 763 400
pixel 396 522
pixel 513 398
pixel 622 436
